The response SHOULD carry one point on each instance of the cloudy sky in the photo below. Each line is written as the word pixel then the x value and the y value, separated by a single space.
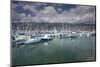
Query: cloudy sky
pixel 51 13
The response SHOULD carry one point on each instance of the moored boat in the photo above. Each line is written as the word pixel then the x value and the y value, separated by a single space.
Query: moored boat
pixel 32 40
pixel 46 37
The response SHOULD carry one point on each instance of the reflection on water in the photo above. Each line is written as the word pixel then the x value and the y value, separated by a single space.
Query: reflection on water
pixel 46 44
pixel 55 51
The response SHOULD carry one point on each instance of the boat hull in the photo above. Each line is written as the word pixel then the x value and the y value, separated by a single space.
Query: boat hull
pixel 32 41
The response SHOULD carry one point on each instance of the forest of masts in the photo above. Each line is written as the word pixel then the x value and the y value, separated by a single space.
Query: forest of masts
pixel 45 27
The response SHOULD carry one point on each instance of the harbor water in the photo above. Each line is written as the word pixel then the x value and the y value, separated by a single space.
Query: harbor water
pixel 58 50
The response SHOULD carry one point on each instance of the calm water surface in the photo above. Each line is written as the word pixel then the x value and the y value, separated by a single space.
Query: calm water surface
pixel 55 51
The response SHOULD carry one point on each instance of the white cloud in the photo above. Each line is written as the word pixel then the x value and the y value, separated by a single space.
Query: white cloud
pixel 80 14
pixel 29 7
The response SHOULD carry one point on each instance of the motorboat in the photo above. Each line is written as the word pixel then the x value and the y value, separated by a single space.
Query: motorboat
pixel 46 37
pixel 93 34
pixel 32 40
pixel 73 35
pixel 18 39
